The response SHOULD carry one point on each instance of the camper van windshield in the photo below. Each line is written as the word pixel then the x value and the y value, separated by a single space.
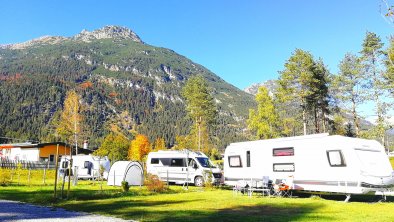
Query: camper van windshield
pixel 205 162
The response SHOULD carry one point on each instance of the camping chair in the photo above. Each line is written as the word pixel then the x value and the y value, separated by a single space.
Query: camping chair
pixel 241 186
pixel 280 188
pixel 260 186
pixel 266 189
pixel 284 188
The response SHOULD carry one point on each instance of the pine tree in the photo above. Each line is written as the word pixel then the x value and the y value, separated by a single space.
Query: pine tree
pixel 295 82
pixel 372 59
pixel 348 86
pixel 199 104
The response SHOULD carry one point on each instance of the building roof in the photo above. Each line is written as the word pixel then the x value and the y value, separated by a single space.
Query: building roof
pixel 41 145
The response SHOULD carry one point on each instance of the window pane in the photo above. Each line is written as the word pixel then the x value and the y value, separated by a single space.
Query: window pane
pixel 234 161
pixel 335 158
pixel 165 161
pixel 154 161
pixel 284 167
pixel 283 151
pixel 248 158
pixel 177 163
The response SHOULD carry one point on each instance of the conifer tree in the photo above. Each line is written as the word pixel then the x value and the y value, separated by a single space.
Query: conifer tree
pixel 200 105
pixel 348 86
pixel 372 59
pixel 295 81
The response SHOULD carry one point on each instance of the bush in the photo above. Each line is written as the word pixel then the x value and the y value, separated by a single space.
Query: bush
pixel 125 186
pixel 154 184
pixel 208 177
pixel 5 176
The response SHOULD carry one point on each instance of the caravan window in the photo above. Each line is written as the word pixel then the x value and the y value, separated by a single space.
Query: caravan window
pixel 335 158
pixel 154 161
pixel 248 158
pixel 178 162
pixel 284 167
pixel 288 151
pixel 234 161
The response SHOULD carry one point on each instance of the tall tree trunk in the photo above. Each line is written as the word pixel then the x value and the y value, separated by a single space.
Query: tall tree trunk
pixel 316 119
pixel 304 118
pixel 355 118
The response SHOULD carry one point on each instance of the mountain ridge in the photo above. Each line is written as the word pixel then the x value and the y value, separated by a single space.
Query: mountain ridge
pixel 106 32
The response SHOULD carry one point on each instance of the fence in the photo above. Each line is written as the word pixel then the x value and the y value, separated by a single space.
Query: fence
pixel 12 164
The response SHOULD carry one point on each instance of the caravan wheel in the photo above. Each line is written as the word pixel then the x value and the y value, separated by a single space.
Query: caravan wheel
pixel 198 181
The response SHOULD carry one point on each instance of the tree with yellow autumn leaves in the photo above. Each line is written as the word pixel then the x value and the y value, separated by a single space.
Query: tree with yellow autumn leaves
pixel 139 148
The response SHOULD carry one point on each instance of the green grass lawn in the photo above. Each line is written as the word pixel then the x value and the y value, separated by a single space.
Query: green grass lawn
pixel 198 204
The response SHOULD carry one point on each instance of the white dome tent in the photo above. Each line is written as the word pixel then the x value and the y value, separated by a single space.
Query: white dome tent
pixel 129 171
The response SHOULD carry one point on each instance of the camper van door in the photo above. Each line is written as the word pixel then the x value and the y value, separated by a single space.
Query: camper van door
pixel 192 169
pixel 177 170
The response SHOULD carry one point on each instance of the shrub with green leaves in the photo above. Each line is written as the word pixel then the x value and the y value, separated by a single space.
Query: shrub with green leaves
pixel 125 186
pixel 5 176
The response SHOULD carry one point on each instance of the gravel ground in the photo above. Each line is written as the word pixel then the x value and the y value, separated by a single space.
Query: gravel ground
pixel 18 211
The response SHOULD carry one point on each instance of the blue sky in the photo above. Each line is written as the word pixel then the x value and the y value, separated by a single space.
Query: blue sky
pixel 241 41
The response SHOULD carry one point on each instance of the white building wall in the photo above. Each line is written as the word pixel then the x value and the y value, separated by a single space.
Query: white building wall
pixel 25 154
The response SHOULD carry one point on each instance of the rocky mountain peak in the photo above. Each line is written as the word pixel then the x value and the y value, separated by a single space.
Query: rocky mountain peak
pixel 107 32
pixel 43 40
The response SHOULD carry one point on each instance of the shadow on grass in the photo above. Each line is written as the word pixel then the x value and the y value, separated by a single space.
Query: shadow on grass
pixel 158 211
pixel 354 198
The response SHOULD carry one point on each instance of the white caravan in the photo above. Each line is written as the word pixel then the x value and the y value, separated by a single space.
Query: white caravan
pixel 182 166
pixel 314 163
pixel 85 166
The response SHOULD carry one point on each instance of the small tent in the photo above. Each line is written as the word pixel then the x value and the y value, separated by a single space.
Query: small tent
pixel 129 171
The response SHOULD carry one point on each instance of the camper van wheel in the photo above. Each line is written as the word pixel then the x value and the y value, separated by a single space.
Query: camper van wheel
pixel 198 181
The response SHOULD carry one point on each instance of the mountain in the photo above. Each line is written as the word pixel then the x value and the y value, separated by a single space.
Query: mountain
pixel 254 88
pixel 126 85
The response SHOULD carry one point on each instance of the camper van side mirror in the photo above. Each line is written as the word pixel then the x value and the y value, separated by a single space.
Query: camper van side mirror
pixel 195 166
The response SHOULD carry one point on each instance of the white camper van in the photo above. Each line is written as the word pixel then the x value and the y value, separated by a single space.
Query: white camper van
pixel 315 163
pixel 85 166
pixel 182 166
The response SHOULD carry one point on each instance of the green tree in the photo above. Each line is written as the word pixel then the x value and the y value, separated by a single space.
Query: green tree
pixel 264 120
pixel 115 146
pixel 200 105
pixel 372 57
pixel 318 100
pixel 295 82
pixel 348 86
pixel 338 125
